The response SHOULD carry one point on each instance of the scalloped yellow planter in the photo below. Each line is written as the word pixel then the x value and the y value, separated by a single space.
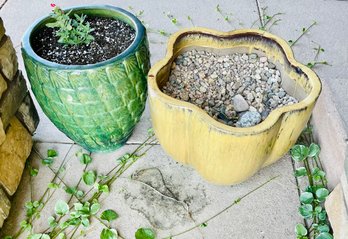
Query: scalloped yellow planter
pixel 220 153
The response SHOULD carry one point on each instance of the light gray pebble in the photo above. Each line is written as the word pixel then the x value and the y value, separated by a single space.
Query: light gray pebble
pixel 249 119
pixel 263 59
pixel 240 104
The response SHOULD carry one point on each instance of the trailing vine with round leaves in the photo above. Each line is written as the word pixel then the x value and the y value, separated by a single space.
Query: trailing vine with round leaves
pixel 312 198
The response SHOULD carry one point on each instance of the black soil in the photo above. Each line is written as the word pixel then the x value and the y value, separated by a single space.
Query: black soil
pixel 111 37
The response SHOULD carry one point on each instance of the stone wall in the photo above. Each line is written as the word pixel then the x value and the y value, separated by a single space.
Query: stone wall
pixel 18 121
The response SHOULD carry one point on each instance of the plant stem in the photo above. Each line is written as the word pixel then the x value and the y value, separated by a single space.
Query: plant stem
pixel 260 14
pixel 225 209
pixel 31 219
pixel 309 173
pixel 303 33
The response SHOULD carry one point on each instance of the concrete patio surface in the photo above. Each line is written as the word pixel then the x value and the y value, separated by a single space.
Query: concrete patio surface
pixel 270 212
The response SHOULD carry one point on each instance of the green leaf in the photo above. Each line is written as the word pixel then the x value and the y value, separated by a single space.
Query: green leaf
pixel 323 228
pixel 144 233
pixel 324 235
pixel 85 222
pixel 301 171
pixel 25 225
pixel 53 186
pixel 314 150
pixel 306 197
pixel 86 159
pixel 33 172
pixel 61 236
pixel 300 230
pixel 108 234
pixel 306 211
pixel 321 194
pixel 322 215
pixel 79 194
pixel 204 224
pixel 61 208
pixel 299 152
pixel 52 153
pixel 8 237
pixel 318 209
pixel 47 161
pixel 318 174
pixel 89 177
pixel 52 222
pixel 39 236
pixel 70 190
pixel 95 208
pixel 103 188
pixel 109 215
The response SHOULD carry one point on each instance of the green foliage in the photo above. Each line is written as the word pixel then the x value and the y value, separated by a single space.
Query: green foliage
pixel 61 208
pixel 102 188
pixel 108 234
pixel 301 171
pixel 52 222
pixel 145 233
pixel 109 215
pixel 71 31
pixel 313 198
pixel 74 191
pixel 25 225
pixel 306 197
pixel 306 211
pixel 204 224
pixel 89 177
pixel 33 172
pixel 299 152
pixel 301 231
pixel 84 209
pixel 51 154
pixel 32 208
pixel 53 186
pixel 86 159
pixel 39 236
pixel 324 235
pixel 321 194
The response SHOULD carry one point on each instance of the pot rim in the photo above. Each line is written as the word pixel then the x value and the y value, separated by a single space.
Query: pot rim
pixel 139 33
pixel 272 118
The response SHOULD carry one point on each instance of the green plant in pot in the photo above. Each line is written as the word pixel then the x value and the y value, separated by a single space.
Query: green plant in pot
pixel 87 67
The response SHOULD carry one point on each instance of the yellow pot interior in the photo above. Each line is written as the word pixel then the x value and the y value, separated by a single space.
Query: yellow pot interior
pixel 221 153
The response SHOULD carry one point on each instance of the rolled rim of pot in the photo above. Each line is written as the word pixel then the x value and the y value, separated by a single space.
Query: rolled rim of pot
pixel 173 47
pixel 133 21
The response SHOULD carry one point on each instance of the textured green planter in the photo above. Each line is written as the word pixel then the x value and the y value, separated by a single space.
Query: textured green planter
pixel 96 105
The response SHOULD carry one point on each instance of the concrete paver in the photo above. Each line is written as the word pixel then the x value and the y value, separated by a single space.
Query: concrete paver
pixel 159 193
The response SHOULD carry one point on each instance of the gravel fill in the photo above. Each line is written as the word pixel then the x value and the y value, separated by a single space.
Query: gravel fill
pixel 236 89
pixel 112 37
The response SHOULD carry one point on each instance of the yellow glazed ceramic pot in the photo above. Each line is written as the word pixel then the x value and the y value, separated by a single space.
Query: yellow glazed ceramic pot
pixel 220 153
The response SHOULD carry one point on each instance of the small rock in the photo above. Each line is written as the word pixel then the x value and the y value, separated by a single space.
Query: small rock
pixel 249 119
pixel 271 65
pixel 240 104
pixel 203 89
pixel 264 114
pixel 263 59
pixel 252 56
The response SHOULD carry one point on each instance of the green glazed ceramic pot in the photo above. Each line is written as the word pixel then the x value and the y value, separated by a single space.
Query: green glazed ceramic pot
pixel 96 105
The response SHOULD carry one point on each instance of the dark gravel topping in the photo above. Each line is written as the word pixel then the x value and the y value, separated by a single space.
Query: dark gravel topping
pixel 112 37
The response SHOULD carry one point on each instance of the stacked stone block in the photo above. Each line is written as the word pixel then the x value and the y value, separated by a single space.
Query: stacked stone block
pixel 18 121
